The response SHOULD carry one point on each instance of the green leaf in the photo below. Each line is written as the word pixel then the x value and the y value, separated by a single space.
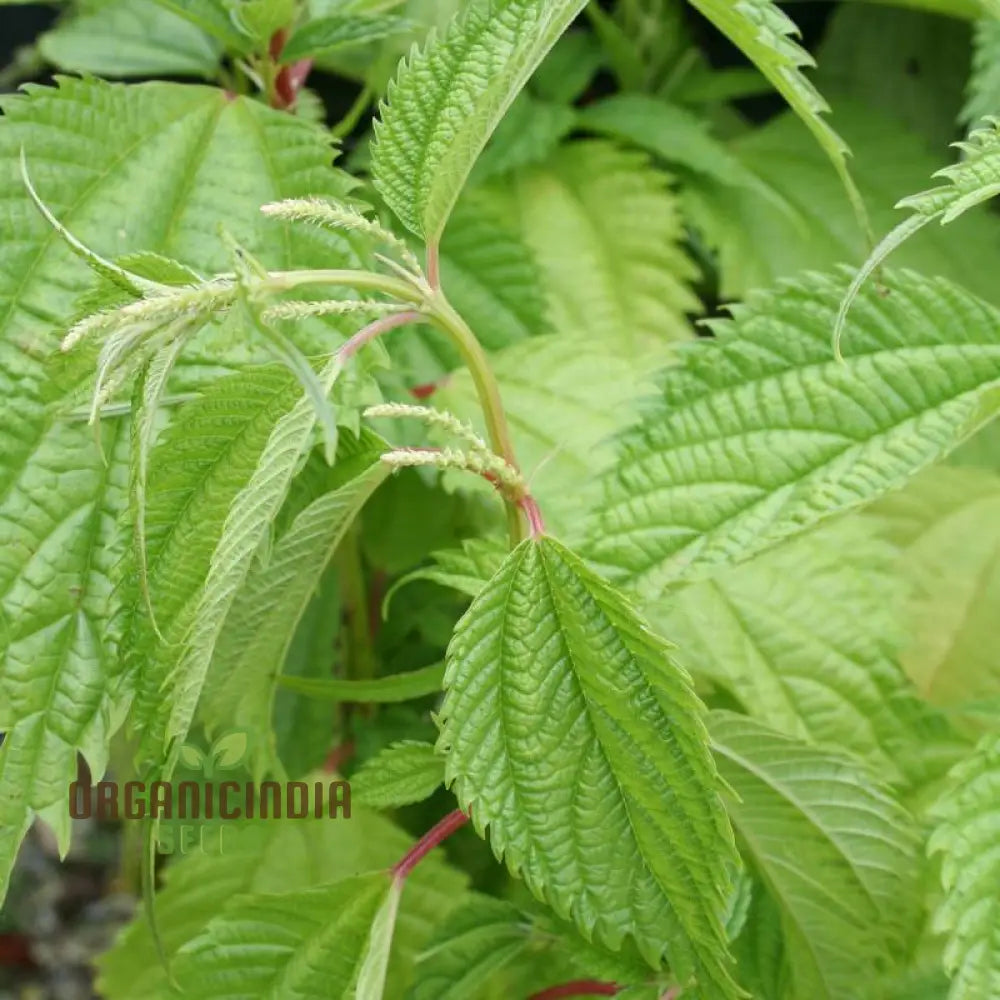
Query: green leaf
pixel 123 38
pixel 448 99
pixel 672 133
pixel 304 944
pixel 466 570
pixel 528 134
pixel 401 774
pixel 125 169
pixel 59 683
pixel 806 637
pixel 477 943
pixel 213 17
pixel 381 690
pixel 836 851
pixel 569 68
pixel 241 686
pixel 765 34
pixel 948 524
pixel 816 230
pixel 984 84
pixel 606 232
pixel 261 20
pixel 972 181
pixel 967 836
pixel 760 433
pixel 375 965
pixel 574 740
pixel 762 968
pixel 199 467
pixel 565 398
pixel 246 526
pixel 328 34
pixel 273 857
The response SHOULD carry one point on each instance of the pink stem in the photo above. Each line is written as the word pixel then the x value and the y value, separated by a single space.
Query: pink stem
pixel 375 330
pixel 433 267
pixel 534 515
pixel 578 988
pixel 436 835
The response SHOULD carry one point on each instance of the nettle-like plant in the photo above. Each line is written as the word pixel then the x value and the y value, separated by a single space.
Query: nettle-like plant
pixel 255 430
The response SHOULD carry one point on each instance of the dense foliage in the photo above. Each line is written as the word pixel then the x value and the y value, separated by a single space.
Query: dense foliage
pixel 556 446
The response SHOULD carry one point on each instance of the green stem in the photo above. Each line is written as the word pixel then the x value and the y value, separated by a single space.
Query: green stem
pixel 347 124
pixel 435 306
pixel 448 320
pixel 399 288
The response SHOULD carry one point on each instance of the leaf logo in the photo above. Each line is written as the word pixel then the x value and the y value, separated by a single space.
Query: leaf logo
pixel 225 754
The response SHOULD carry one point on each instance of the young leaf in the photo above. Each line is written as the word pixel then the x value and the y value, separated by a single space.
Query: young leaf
pixel 836 851
pixel 972 181
pixel 198 468
pixel 605 230
pixel 253 645
pixel 576 742
pixel 448 99
pixel 324 35
pixel 401 774
pixel 966 836
pixel 305 944
pixel 766 36
pixel 213 17
pixel 246 526
pixel 761 433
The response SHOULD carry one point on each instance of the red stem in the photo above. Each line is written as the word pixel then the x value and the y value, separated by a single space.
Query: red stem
pixel 578 988
pixel 374 330
pixel 436 835
pixel 290 79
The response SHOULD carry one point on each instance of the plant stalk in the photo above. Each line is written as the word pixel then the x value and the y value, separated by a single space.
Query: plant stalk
pixel 488 391
pixel 433 306
pixel 405 291
pixel 435 836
